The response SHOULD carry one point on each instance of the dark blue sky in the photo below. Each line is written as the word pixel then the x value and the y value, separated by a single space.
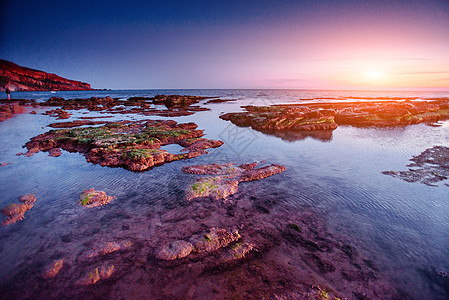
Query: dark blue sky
pixel 225 44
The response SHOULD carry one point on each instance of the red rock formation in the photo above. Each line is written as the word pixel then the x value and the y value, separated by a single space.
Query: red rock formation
pixel 18 78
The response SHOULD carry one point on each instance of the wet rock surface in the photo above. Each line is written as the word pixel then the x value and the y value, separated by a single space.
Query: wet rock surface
pixel 430 167
pixel 297 121
pixel 132 145
pixel 228 179
pixel 92 198
pixel 16 211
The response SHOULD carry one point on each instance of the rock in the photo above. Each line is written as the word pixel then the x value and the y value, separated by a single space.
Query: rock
pixel 16 211
pixel 54 152
pixel 53 269
pixel 213 239
pixel 92 198
pixel 175 250
pixel 430 167
pixel 297 121
pixel 226 184
pixel 220 101
pixel 108 247
pixel 237 251
pixel 59 113
pixel 208 241
pixel 27 198
pixel 101 273
pixel 132 145
pixel 171 101
pixel 17 78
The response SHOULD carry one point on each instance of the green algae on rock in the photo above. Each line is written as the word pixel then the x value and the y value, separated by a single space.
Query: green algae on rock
pixel 229 176
pixel 92 198
pixel 132 145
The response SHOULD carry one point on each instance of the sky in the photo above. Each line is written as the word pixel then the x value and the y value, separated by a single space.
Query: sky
pixel 345 44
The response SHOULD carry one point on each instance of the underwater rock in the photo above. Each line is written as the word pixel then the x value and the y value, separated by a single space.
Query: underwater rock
pixel 53 269
pixel 101 273
pixel 108 247
pixel 132 145
pixel 208 241
pixel 430 167
pixel 213 239
pixel 92 198
pixel 16 211
pixel 175 250
pixel 226 184
pixel 237 251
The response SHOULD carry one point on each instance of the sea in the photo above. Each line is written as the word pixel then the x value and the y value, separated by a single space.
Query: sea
pixel 402 226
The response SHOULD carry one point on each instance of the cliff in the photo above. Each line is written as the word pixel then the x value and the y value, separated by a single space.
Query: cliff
pixel 18 78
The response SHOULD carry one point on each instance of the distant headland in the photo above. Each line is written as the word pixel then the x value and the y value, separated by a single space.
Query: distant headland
pixel 18 78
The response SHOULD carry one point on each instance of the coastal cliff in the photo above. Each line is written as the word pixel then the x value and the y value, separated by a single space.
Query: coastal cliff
pixel 17 78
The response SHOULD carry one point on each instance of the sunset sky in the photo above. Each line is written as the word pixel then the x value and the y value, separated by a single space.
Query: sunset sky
pixel 233 44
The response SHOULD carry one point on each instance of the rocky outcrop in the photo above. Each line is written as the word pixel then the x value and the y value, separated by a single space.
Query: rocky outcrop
pixel 318 120
pixel 228 179
pixel 17 78
pixel 430 167
pixel 132 145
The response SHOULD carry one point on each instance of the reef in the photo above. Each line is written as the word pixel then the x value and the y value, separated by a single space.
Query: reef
pixel 16 211
pixel 92 198
pixel 430 167
pixel 314 118
pixel 227 179
pixel 131 145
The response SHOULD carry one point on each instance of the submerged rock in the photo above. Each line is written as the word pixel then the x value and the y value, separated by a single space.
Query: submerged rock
pixel 237 251
pixel 132 145
pixel 16 211
pixel 108 247
pixel 92 198
pixel 226 184
pixel 53 269
pixel 100 273
pixel 208 241
pixel 175 250
pixel 430 167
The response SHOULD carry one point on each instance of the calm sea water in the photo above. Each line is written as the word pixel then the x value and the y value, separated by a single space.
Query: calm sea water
pixel 404 226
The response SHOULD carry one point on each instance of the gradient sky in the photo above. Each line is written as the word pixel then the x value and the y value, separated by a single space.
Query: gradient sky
pixel 232 44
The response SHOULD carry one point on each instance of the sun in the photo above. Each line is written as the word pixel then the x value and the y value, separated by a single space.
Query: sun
pixel 373 75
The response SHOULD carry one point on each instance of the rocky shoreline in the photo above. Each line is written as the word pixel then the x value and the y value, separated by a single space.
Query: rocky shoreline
pixel 227 236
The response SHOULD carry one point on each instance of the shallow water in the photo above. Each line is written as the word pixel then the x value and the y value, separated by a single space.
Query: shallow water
pixel 403 226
